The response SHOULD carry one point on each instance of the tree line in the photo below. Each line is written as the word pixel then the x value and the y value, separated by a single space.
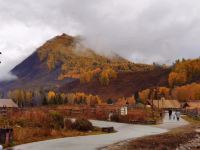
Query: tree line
pixel 26 98
pixel 181 93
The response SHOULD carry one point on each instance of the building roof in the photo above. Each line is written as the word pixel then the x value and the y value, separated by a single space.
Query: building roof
pixel 8 103
pixel 166 104
pixel 192 104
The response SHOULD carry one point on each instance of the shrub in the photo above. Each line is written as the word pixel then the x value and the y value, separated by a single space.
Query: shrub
pixel 115 118
pixel 67 123
pixel 57 120
pixel 82 124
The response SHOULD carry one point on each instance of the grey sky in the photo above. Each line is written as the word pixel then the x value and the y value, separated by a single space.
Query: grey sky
pixel 141 30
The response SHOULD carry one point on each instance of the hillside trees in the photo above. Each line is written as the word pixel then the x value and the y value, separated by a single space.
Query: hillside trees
pixel 106 76
pixel 177 78
pixel 181 93
pixel 51 63
pixel 81 62
pixel 86 77
pixel 184 71
pixel 187 92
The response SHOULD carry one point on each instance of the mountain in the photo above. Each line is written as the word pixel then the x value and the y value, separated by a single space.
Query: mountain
pixel 63 61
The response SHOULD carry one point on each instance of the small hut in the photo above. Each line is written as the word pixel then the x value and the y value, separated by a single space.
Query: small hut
pixel 7 104
pixel 192 108
pixel 193 104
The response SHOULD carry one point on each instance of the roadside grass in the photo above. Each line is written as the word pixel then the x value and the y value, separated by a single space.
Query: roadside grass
pixel 191 120
pixel 38 125
pixel 29 135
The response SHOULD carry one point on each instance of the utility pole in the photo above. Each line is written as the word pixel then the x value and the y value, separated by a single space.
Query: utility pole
pixel 0 54
pixel 151 99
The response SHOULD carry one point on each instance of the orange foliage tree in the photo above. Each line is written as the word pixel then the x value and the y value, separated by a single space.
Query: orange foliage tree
pixel 144 95
pixel 177 78
pixel 187 92
pixel 184 71
pixel 106 76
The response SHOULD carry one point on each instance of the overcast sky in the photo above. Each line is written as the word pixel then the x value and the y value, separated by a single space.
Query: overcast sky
pixel 141 30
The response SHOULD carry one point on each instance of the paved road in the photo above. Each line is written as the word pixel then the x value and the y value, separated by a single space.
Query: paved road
pixel 125 131
pixel 169 124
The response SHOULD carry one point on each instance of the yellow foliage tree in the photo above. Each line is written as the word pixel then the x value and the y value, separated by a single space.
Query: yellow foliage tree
pixel 184 72
pixel 86 77
pixel 107 75
pixel 51 95
pixel 104 78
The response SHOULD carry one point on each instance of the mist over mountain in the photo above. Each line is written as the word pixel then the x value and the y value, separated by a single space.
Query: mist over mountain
pixel 63 59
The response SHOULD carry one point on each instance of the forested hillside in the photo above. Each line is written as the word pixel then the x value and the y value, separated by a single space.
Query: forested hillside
pixel 77 61
pixel 185 71
pixel 125 85
pixel 183 82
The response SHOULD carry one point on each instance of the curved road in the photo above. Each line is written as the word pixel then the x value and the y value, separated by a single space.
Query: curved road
pixel 125 131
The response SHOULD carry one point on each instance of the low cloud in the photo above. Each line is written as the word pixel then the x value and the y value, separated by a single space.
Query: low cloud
pixel 7 77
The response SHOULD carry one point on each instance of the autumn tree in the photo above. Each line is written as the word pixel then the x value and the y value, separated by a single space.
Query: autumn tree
pixel 71 98
pixel 21 97
pixel 51 97
pixel 187 92
pixel 106 75
pixel 164 91
pixel 181 93
pixel 144 95
pixel 29 97
pixel 184 71
pixel 51 63
pixel 86 77
pixel 95 100
pixel 177 78
pixel 104 78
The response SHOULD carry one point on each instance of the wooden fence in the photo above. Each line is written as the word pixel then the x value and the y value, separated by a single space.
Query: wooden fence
pixel 194 113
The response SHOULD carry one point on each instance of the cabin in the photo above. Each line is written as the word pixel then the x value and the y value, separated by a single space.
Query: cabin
pixel 7 104
pixel 164 104
pixel 192 108
pixel 194 104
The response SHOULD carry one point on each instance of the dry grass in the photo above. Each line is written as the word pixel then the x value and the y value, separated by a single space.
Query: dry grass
pixel 28 135
pixel 38 125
